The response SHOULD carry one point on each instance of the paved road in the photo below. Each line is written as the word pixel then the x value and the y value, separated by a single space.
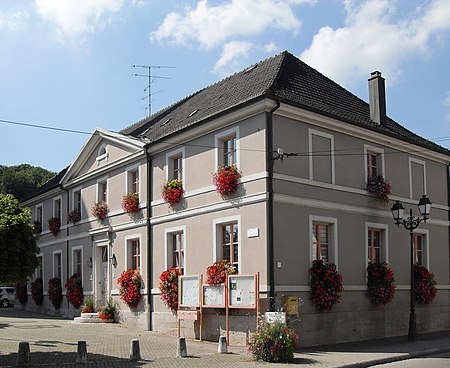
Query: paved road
pixel 433 361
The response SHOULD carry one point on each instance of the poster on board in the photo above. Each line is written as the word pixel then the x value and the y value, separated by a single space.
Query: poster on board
pixel 189 291
pixel 214 296
pixel 242 291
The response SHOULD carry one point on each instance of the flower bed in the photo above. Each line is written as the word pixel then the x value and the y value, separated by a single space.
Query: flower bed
pixel 54 225
pixel 21 292
pixel 74 216
pixel 168 286
pixel 130 287
pixel 380 283
pixel 326 285
pixel 377 186
pixel 37 291
pixel 424 285
pixel 217 273
pixel 226 180
pixel 74 290
pixel 130 203
pixel 100 210
pixel 55 291
pixel 172 191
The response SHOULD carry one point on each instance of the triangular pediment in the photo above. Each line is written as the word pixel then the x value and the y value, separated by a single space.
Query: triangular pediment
pixel 102 149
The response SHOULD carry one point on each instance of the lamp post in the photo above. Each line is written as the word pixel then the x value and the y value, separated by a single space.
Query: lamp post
pixel 411 223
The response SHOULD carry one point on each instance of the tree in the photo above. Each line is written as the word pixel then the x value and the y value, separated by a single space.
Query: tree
pixel 18 248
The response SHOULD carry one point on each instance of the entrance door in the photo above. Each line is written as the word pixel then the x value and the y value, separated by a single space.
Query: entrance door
pixel 103 276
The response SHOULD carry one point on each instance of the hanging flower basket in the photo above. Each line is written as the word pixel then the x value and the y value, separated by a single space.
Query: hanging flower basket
pixel 100 210
pixel 172 191
pixel 54 225
pixel 130 203
pixel 37 291
pixel 424 285
pixel 74 290
pixel 226 180
pixel 130 287
pixel 168 285
pixel 217 273
pixel 55 291
pixel 74 216
pixel 326 285
pixel 380 283
pixel 377 186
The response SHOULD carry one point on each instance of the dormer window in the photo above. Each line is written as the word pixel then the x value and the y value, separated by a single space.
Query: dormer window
pixel 102 154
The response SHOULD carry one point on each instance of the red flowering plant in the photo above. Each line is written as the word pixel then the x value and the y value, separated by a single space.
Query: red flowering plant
pixel 88 305
pixel 74 290
pixel 54 225
pixel 106 313
pixel 74 216
pixel 168 285
pixel 326 285
pixel 55 291
pixel 380 283
pixel 172 191
pixel 424 285
pixel 130 203
pixel 130 287
pixel 217 273
pixel 226 180
pixel 377 186
pixel 100 210
pixel 37 291
pixel 21 292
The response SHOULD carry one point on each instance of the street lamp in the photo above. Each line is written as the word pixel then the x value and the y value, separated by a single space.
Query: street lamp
pixel 411 223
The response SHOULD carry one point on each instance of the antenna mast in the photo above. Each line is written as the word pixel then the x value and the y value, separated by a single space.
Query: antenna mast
pixel 151 79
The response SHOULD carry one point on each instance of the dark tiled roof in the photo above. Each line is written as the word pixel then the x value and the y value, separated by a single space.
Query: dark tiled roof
pixel 50 184
pixel 283 77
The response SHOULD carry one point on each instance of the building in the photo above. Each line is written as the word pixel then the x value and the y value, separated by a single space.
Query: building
pixel 305 147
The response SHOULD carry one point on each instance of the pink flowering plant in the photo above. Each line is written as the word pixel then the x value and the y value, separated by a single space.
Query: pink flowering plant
pixel 54 225
pixel 168 286
pixel 377 186
pixel 226 180
pixel 217 273
pixel 74 290
pixel 130 203
pixel 74 216
pixel 100 210
pixel 424 285
pixel 172 191
pixel 130 287
pixel 380 283
pixel 326 285
pixel 273 342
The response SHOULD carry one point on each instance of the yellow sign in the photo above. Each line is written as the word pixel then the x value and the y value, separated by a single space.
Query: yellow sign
pixel 291 305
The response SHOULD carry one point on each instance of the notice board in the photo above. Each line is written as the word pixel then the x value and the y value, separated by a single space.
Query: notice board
pixel 214 296
pixel 189 291
pixel 242 291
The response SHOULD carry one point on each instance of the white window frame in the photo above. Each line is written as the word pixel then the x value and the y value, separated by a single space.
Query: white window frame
pixel 426 248
pixel 379 152
pixel 128 172
pixel 219 138
pixel 40 205
pixel 169 163
pixel 74 249
pixel 99 182
pixel 384 240
pixel 127 239
pixel 333 243
pixel 55 252
pixel 58 198
pixel 168 245
pixel 102 156
pixel 420 162
pixel 217 235
pixel 41 256
pixel 312 132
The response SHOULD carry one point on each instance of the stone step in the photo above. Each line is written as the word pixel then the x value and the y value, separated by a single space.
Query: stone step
pixel 90 318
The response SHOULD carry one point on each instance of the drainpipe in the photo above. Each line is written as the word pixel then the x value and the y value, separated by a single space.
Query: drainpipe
pixel 149 240
pixel 448 201
pixel 67 241
pixel 269 212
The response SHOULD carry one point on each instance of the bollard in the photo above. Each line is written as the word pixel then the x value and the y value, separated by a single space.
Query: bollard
pixel 223 349
pixel 135 351
pixel 23 360
pixel 82 353
pixel 182 350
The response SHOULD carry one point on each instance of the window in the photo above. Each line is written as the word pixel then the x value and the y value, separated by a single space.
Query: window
pixel 175 165
pixel 417 178
pixel 57 209
pixel 175 248
pixel 227 147
pixel 77 261
pixel 133 181
pixel 374 161
pixel 102 154
pixel 102 190
pixel 323 239
pixel 39 214
pixel 135 254
pixel 57 264
pixel 420 241
pixel 77 200
pixel 372 167
pixel 40 267
pixel 177 168
pixel 321 157
pixel 230 244
pixel 376 243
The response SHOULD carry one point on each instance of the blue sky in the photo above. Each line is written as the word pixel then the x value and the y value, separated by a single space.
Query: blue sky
pixel 67 63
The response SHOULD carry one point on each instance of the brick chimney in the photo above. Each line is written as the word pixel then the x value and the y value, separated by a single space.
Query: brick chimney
pixel 377 98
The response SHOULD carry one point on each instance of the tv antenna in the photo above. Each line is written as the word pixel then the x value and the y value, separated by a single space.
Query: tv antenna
pixel 151 79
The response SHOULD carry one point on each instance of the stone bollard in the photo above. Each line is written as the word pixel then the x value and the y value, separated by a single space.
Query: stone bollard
pixel 82 353
pixel 223 349
pixel 182 350
pixel 135 351
pixel 23 360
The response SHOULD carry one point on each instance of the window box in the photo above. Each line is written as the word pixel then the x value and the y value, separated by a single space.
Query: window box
pixel 100 210
pixel 74 216
pixel 226 180
pixel 130 203
pixel 54 225
pixel 380 283
pixel 172 191
pixel 377 186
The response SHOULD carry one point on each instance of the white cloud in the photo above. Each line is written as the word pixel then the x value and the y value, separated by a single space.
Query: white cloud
pixel 212 25
pixel 270 47
pixel 375 37
pixel 75 19
pixel 231 51
pixel 13 21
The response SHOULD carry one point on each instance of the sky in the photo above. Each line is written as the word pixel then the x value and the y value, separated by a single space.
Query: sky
pixel 67 64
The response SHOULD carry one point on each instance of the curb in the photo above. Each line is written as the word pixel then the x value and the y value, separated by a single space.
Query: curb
pixel 406 356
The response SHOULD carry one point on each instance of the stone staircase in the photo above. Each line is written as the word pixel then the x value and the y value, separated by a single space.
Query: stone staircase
pixel 90 318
